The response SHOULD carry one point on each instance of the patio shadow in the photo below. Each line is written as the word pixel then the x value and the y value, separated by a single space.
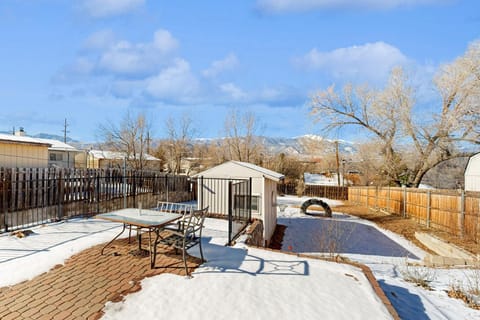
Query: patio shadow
pixel 238 260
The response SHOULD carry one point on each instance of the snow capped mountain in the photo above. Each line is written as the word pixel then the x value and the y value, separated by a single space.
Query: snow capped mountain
pixel 306 145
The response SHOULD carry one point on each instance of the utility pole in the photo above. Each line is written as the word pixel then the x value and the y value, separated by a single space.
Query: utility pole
pixel 65 126
pixel 148 142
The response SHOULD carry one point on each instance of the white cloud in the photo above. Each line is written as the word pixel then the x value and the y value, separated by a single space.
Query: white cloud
pixel 175 83
pixel 105 8
pixel 164 41
pixel 233 91
pixel 127 58
pixel 279 96
pixel 371 61
pixel 230 62
pixel 78 70
pixel 282 6
pixel 100 40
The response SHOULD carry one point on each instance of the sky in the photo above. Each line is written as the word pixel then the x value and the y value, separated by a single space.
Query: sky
pixel 249 273
pixel 93 61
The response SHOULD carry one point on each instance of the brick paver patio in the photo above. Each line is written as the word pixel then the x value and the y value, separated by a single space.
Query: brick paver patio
pixel 80 288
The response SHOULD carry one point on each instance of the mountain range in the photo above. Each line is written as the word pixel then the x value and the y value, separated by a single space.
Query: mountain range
pixel 306 145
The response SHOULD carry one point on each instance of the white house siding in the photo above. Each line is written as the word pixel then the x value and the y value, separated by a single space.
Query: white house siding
pixel 472 174
pixel 270 208
pixel 214 194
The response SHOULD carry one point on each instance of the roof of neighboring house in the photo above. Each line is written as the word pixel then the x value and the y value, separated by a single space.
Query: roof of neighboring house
pixel 116 155
pixel 272 175
pixel 9 138
pixel 58 145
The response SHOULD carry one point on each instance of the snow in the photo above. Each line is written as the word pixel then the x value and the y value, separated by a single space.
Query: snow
pixel 387 255
pixel 241 282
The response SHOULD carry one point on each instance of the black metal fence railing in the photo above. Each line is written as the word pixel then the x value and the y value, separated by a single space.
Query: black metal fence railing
pixel 321 191
pixel 240 213
pixel 227 198
pixel 32 196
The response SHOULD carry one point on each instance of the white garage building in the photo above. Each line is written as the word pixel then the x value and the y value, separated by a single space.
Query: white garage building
pixel 472 174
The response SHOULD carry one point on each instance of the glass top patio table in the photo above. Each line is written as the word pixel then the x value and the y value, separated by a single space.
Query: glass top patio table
pixel 151 220
pixel 140 217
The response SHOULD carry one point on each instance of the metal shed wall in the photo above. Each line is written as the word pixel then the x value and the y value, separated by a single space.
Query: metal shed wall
pixel 472 174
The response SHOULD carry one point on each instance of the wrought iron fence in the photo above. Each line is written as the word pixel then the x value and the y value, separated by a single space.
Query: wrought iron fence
pixel 227 198
pixel 32 196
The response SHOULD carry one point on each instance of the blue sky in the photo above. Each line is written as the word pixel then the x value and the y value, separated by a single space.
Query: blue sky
pixel 92 60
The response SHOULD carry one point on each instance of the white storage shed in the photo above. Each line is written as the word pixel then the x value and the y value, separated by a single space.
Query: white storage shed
pixel 263 193
pixel 472 174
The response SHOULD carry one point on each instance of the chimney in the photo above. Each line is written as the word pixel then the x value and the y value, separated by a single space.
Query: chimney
pixel 20 132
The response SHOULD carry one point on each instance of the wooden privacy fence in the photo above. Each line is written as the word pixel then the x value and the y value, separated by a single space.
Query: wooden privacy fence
pixel 321 191
pixel 453 211
pixel 30 196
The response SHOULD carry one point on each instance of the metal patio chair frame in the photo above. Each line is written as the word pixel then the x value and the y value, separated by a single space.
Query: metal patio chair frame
pixel 186 237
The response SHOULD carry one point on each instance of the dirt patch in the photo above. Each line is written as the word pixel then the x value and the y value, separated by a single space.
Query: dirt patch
pixel 277 238
pixel 405 226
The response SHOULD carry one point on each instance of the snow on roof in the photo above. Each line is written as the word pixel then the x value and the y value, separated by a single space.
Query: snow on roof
pixel 117 155
pixel 266 172
pixel 23 139
pixel 58 145
pixel 270 173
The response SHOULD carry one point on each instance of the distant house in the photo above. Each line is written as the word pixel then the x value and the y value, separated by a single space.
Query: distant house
pixel 330 179
pixel 60 155
pixel 264 191
pixel 103 159
pixel 472 174
pixel 19 151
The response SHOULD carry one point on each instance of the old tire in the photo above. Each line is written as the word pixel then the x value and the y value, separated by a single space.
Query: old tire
pixel 310 202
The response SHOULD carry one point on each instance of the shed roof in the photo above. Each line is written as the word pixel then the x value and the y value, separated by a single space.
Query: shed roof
pixel 272 175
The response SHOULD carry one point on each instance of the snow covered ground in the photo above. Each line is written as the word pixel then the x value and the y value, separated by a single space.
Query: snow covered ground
pixel 241 283
pixel 386 253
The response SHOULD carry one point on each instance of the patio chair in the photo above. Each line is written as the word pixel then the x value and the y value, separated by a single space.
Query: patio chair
pixel 187 237
pixel 181 208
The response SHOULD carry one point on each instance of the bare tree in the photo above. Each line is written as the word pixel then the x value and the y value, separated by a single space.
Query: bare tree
pixel 180 136
pixel 241 142
pixel 131 136
pixel 390 117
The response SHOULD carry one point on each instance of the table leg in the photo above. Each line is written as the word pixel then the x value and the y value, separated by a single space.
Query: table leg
pixel 139 239
pixel 155 243
pixel 118 235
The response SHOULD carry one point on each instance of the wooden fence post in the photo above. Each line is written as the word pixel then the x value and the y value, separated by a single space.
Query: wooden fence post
pixel 429 198
pixel 4 200
pixel 61 195
pixel 462 214
pixel 98 191
pixel 404 202
pixel 388 200
pixel 166 183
